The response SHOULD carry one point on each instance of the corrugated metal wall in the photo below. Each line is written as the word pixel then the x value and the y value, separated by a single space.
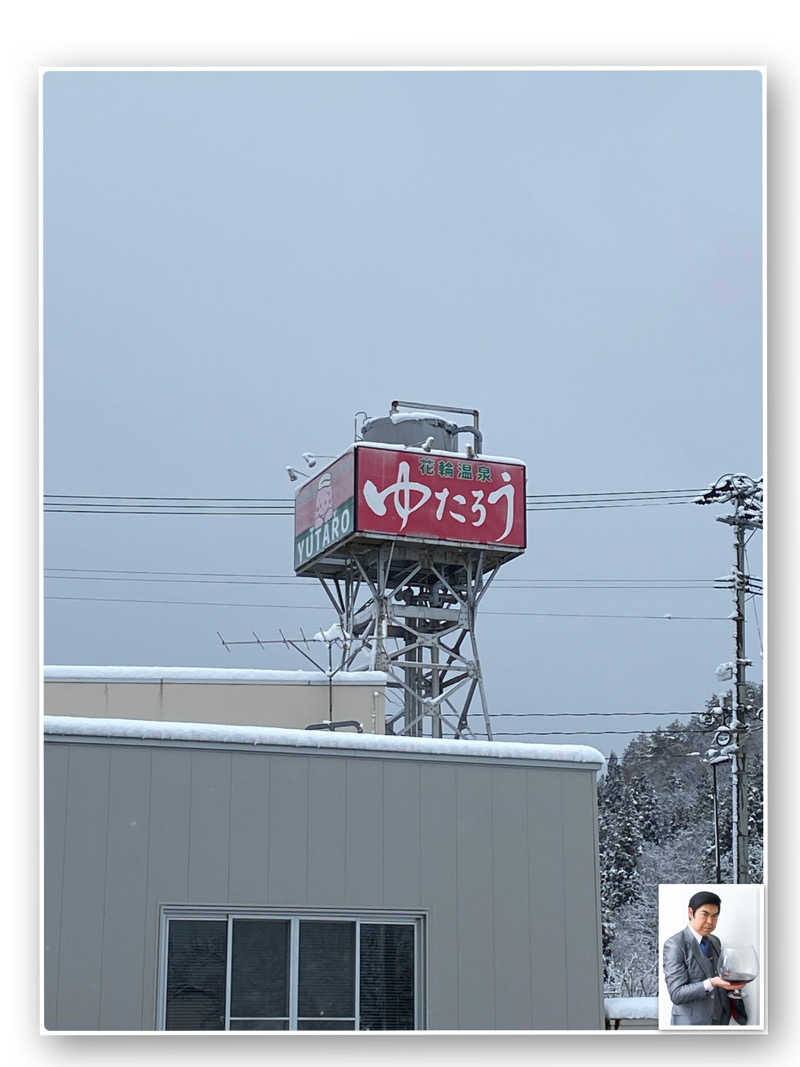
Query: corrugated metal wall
pixel 500 857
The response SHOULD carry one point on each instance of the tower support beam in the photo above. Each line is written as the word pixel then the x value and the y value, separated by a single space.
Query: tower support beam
pixel 413 618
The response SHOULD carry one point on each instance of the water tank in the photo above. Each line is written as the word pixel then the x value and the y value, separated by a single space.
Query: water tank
pixel 412 428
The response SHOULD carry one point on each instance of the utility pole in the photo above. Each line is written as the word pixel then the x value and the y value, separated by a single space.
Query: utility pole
pixel 716 821
pixel 746 496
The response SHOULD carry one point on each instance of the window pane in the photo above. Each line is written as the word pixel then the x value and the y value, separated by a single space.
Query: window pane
pixel 196 965
pixel 259 1024
pixel 326 1024
pixel 387 977
pixel 260 967
pixel 327 969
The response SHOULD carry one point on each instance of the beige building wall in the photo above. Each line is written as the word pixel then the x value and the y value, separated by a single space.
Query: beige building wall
pixel 272 699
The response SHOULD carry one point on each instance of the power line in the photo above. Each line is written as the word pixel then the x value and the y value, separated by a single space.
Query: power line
pixel 587 495
pixel 606 579
pixel 290 581
pixel 591 733
pixel 327 608
pixel 634 587
pixel 520 580
pixel 190 603
pixel 678 734
pixel 179 581
pixel 277 511
pixel 758 625
pixel 581 615
pixel 587 714
pixel 164 511
pixel 613 493
pixel 225 578
pixel 107 504
pixel 200 574
pixel 595 507
pixel 193 499
pixel 755 605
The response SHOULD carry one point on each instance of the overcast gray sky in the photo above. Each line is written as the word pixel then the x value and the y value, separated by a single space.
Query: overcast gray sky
pixel 236 262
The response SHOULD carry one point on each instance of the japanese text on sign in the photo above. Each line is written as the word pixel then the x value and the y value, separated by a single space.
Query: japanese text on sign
pixel 468 507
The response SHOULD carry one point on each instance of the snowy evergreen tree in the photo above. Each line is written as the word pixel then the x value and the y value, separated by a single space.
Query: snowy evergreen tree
pixel 620 836
pixel 645 802
pixel 655 813
pixel 620 841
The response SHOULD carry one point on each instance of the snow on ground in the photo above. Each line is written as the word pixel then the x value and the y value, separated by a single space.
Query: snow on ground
pixel 631 1007
pixel 270 735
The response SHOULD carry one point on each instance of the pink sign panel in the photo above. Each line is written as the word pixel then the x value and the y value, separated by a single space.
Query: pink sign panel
pixel 323 510
pixel 440 495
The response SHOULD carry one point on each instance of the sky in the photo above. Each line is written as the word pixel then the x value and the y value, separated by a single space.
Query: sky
pixel 237 262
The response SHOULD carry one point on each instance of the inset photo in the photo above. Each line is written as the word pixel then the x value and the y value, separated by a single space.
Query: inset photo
pixel 710 970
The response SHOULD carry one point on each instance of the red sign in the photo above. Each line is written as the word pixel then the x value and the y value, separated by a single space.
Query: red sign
pixel 440 496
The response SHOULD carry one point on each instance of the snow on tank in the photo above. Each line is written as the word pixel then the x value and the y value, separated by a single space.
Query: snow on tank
pixel 412 428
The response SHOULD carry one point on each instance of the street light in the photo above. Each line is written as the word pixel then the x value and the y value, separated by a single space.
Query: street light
pixel 312 457
pixel 713 757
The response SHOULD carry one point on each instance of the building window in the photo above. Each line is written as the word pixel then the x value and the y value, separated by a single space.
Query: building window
pixel 225 970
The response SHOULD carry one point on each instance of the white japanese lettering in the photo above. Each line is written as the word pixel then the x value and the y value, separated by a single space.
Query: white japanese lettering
pixel 478 508
pixel 459 499
pixel 507 492
pixel 401 491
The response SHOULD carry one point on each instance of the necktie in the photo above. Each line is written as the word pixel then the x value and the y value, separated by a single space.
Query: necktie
pixel 705 946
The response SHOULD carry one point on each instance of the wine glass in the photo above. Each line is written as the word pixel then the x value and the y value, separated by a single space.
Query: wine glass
pixel 738 963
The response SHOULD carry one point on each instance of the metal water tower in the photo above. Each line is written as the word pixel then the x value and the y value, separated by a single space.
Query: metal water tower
pixel 405 531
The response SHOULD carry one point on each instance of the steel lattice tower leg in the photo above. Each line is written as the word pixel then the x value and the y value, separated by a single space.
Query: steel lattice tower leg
pixel 416 621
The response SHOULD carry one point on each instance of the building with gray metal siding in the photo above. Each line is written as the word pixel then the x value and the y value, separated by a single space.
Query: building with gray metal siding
pixel 488 849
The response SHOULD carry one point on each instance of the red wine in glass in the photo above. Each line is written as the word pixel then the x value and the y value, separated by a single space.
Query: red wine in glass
pixel 738 963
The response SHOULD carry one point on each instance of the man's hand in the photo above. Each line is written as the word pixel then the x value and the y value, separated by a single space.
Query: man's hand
pixel 722 984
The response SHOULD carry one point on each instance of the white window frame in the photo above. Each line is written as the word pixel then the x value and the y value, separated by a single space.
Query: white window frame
pixel 218 913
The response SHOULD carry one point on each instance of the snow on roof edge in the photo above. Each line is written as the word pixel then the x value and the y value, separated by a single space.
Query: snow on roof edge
pixel 271 735
pixel 58 673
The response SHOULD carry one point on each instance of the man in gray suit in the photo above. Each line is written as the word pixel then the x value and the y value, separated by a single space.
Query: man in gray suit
pixel 699 996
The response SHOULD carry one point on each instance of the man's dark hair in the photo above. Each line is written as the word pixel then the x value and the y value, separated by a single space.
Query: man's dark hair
pixel 704 897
